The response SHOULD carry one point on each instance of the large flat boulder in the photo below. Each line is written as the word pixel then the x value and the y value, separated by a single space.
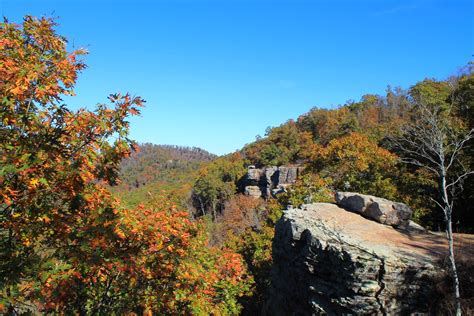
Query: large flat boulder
pixel 327 260
pixel 381 210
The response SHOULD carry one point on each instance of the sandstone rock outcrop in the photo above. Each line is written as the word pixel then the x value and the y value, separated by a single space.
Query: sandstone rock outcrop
pixel 254 175
pixel 253 191
pixel 331 261
pixel 379 209
pixel 270 180
pixel 288 175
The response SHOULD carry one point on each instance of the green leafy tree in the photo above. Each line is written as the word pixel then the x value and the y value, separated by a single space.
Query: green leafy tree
pixel 216 183
pixel 309 188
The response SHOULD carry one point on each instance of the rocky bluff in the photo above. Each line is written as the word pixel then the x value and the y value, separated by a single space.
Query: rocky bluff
pixel 269 181
pixel 362 256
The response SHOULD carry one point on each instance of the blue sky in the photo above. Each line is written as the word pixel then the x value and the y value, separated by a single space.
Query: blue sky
pixel 216 73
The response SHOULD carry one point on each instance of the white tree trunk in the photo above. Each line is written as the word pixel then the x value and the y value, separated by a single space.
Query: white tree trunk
pixel 454 271
pixel 449 233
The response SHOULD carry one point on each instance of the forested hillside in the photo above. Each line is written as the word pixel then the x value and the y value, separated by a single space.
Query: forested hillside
pixel 159 169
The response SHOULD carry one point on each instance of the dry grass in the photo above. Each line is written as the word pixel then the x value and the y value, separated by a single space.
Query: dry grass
pixel 443 301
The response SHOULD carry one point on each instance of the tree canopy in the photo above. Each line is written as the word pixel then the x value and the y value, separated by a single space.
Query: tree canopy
pixel 66 243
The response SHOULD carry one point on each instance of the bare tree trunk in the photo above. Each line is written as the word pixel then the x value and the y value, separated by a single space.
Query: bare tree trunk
pixel 215 213
pixel 214 206
pixel 203 209
pixel 449 232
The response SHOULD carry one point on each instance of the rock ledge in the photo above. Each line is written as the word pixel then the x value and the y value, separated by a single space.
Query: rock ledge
pixel 328 260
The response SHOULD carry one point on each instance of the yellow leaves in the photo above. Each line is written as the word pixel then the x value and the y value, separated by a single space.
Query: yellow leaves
pixel 102 275
pixel 356 150
pixel 46 219
pixel 33 183
pixel 356 162
pixel 133 281
pixel 27 242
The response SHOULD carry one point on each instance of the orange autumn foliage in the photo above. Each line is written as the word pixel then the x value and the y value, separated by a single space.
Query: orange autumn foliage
pixel 66 244
pixel 355 162
pixel 240 213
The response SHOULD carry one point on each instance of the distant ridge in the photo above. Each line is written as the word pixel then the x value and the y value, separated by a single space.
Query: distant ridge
pixel 151 163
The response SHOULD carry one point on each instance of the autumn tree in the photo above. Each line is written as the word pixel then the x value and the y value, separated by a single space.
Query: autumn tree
pixel 240 212
pixel 355 162
pixel 325 125
pixel 66 245
pixel 282 145
pixel 463 100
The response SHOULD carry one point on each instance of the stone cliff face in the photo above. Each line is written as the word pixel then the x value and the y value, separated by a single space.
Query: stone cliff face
pixel 269 181
pixel 331 261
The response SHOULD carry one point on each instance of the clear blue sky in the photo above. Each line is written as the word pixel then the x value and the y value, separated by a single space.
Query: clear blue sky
pixel 217 73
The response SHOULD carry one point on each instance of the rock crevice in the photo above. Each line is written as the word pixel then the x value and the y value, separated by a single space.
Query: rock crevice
pixel 381 286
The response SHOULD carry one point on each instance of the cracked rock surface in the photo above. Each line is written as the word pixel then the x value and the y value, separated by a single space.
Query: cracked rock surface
pixel 330 261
